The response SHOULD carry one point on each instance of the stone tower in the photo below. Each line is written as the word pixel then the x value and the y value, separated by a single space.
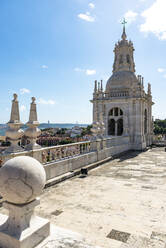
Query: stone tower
pixel 124 107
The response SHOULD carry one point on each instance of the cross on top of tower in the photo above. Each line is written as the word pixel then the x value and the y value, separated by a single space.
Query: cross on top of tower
pixel 124 36
pixel 124 22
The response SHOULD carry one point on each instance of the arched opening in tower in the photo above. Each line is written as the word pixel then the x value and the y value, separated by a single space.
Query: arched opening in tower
pixel 119 127
pixel 111 127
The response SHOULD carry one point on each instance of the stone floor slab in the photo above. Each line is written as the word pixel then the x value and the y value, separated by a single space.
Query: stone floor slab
pixel 142 242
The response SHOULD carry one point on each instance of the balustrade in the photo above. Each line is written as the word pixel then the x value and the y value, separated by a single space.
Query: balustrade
pixel 61 152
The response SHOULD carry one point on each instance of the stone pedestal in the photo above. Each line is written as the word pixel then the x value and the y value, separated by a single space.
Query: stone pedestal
pixel 104 140
pixel 22 229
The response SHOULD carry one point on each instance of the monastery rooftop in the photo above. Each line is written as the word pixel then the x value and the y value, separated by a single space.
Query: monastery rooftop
pixel 126 194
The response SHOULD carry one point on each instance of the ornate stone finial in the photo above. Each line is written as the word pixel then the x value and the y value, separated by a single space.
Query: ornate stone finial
pixel 22 179
pixel 32 132
pixel 95 87
pixel 149 89
pixel 99 89
pixel 142 81
pixel 15 96
pixel 33 99
pixel 124 36
pixel 15 115
pixel 101 85
pixel 95 129
pixel 33 112
pixel 14 133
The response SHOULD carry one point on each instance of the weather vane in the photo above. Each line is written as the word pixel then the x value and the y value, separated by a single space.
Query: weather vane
pixel 124 22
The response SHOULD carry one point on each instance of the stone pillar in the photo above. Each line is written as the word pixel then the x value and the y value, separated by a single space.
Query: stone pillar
pixel 32 132
pixel 104 140
pixel 14 133
pixel 116 128
pixel 21 181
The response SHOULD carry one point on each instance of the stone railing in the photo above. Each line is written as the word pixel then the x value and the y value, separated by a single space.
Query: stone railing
pixel 55 153
pixel 159 142
pixel 59 160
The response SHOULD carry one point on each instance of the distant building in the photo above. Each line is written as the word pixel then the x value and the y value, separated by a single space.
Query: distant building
pixel 75 131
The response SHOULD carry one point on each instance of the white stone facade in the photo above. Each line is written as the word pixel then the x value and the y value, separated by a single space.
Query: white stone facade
pixel 124 107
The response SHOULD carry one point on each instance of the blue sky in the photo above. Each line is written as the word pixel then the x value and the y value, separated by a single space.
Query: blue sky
pixel 55 49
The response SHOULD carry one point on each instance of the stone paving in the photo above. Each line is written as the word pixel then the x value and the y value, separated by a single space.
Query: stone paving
pixel 120 200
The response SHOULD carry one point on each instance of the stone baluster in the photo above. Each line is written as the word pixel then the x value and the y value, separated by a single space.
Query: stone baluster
pixel 64 152
pixel 14 133
pixel 88 147
pixel 59 153
pixel 32 132
pixel 78 150
pixel 81 149
pixel 93 146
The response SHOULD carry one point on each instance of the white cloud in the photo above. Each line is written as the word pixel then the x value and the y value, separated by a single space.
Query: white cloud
pixel 160 70
pixel 91 5
pixel 90 72
pixel 87 71
pixel 46 102
pixel 44 67
pixel 24 91
pixel 130 16
pixel 86 17
pixel 164 76
pixel 155 19
pixel 22 108
pixel 78 69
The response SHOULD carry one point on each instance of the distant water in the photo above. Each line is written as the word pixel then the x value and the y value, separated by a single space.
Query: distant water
pixel 3 127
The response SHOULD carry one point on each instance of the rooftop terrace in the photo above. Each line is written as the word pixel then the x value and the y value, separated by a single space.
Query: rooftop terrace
pixel 126 194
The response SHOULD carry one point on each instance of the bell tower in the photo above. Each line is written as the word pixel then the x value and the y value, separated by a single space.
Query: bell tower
pixel 124 110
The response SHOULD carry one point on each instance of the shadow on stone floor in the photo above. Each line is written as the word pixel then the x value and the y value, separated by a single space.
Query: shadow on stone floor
pixel 129 155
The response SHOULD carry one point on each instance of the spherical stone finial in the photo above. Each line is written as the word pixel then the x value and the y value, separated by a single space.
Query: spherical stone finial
pixel 22 179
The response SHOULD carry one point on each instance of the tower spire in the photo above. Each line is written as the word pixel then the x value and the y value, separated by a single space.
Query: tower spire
pixel 124 36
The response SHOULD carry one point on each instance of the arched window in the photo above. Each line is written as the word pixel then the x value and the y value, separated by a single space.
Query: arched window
pixel 128 58
pixel 115 122
pixel 145 121
pixel 119 127
pixel 111 112
pixel 111 127
pixel 121 59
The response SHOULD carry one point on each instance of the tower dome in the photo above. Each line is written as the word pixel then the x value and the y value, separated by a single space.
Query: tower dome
pixel 121 80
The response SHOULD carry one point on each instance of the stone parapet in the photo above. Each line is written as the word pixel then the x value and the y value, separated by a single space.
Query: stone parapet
pixel 58 160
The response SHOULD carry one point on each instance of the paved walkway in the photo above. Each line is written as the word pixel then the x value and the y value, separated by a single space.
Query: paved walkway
pixel 122 197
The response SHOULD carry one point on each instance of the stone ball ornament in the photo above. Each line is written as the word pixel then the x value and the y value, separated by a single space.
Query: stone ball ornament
pixel 22 179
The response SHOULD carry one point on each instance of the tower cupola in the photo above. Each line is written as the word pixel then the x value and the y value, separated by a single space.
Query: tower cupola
pixel 124 59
